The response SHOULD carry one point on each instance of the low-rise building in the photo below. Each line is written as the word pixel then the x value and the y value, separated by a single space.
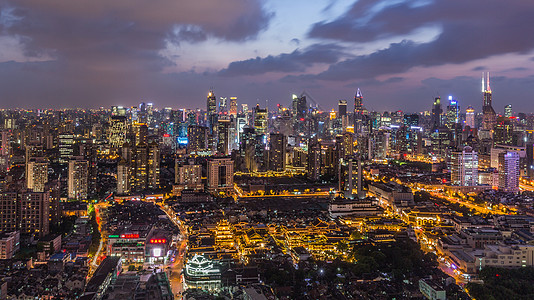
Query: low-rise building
pixel 9 244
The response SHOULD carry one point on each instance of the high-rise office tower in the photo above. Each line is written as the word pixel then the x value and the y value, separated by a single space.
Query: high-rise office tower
pixel 345 144
pixel 123 177
pixel 117 130
pixel 141 133
pixel 436 113
pixel 139 173
pixel 503 131
pixel 314 159
pixel 233 106
pixel 77 181
pixel 260 120
pixel 299 107
pixel 342 108
pixel 212 119
pixel 223 134
pixel 453 112
pixel 220 175
pixel 37 176
pixel 223 105
pixel 508 111
pixel 350 177
pixel 488 113
pixel 464 167
pixel 470 117
pixel 153 165
pixel 197 137
pixel 509 171
pixel 34 214
pixel 66 146
pixel 277 152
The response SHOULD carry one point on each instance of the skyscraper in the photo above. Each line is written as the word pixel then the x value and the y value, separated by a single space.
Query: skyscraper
pixel 358 104
pixel 436 113
pixel 453 110
pixel 220 175
pixel 508 111
pixel 34 214
pixel 197 137
pixel 233 106
pixel 212 119
pixel 509 172
pixel 470 117
pixel 117 131
pixel 77 181
pixel 342 104
pixel 37 176
pixel 464 167
pixel 260 120
pixel 314 159
pixel 277 152
pixel 223 134
pixel 350 177
pixel 153 165
pixel 123 177
pixel 488 113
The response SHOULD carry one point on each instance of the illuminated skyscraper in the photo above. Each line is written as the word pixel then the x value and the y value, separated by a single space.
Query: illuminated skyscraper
pixel 197 137
pixel 37 175
pixel 470 117
pixel 260 120
pixel 223 134
pixel 117 131
pixel 488 113
pixel 509 172
pixel 358 104
pixel 350 177
pixel 78 173
pixel 212 119
pixel 464 167
pixel 508 111
pixel 453 110
pixel 233 106
pixel 123 177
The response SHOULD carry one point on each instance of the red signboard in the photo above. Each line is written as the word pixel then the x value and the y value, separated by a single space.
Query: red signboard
pixel 129 236
pixel 158 241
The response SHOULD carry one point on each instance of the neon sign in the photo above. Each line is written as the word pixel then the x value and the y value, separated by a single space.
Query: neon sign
pixel 158 241
pixel 130 236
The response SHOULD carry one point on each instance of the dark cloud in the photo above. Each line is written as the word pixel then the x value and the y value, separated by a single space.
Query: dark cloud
pixel 479 68
pixel 470 30
pixel 296 61
pixel 102 49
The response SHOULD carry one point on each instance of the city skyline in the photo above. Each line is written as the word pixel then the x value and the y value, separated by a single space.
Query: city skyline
pixel 56 56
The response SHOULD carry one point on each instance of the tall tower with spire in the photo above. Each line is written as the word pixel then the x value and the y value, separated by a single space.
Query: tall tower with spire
pixel 488 113
pixel 212 119
pixel 358 103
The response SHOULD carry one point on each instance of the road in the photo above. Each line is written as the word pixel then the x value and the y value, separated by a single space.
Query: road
pixel 101 246
pixel 175 271
pixel 526 187
pixel 478 208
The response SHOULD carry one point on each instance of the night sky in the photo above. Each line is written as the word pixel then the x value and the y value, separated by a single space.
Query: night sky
pixel 401 54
